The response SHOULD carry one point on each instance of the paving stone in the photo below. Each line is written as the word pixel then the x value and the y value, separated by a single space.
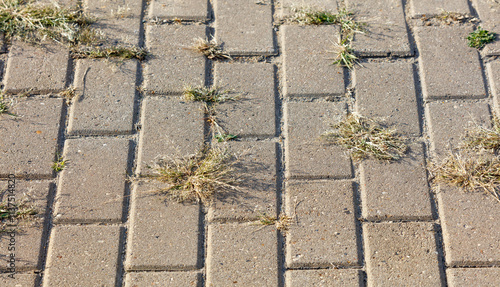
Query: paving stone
pixel 306 156
pixel 28 237
pixel 167 279
pixel 494 80
pixel 244 27
pixel 386 92
pixel 253 113
pixel 420 8
pixel 40 69
pixel 396 190
pixel 178 9
pixel 307 61
pixel 104 103
pixel 324 278
pixel 479 277
pixel 488 11
pixel 321 5
pixel 471 227
pixel 29 140
pixel 325 232
pixel 119 21
pixel 83 254
pixel 170 129
pixel 20 280
pixel 173 65
pixel 387 33
pixel 152 219
pixel 242 255
pixel 450 121
pixel 95 175
pixel 398 253
pixel 257 191
pixel 449 67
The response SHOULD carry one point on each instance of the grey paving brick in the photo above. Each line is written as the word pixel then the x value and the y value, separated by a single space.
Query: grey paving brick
pixel 307 61
pixel 386 31
pixel 396 190
pixel 244 27
pixel 80 254
pixel 242 255
pixel 399 253
pixel 471 227
pixel 488 11
pixel 152 220
pixel 92 185
pixel 420 8
pixel 306 156
pixel 494 81
pixel 322 5
pixel 167 279
pixel 170 129
pixel 173 65
pixel 256 193
pixel 449 67
pixel 41 69
pixel 29 140
pixel 480 277
pixel 253 113
pixel 324 234
pixel 324 278
pixel 178 9
pixel 104 103
pixel 386 92
pixel 28 235
pixel 450 121
pixel 20 280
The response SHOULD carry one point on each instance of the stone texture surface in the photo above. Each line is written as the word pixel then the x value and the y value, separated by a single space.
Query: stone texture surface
pixel 328 5
pixel 488 11
pixel 256 192
pixel 324 278
pixel 420 8
pixel 386 31
pixel 20 280
pixel 244 27
pixel 253 112
pixel 172 65
pixel 153 218
pixel 386 92
pixel 307 61
pixel 305 155
pixel 167 279
pixel 41 69
pixel 325 232
pixel 399 253
pixel 179 9
pixel 83 254
pixel 104 103
pixel 241 255
pixel 92 185
pixel 396 190
pixel 450 69
pixel 171 129
pixel 471 227
pixel 29 139
pixel 480 277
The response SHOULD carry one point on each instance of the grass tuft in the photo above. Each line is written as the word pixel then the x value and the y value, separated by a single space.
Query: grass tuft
pixel 483 138
pixel 364 138
pixel 480 37
pixel 59 164
pixel 4 107
pixel 282 223
pixel 207 94
pixel 211 49
pixel 344 54
pixel 111 52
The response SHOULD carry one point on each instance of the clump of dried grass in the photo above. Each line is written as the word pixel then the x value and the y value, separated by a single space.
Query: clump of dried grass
pixel 484 138
pixel 282 223
pixel 210 48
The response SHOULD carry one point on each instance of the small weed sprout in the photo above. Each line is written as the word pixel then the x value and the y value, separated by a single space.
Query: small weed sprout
pixel 480 37
pixel 111 52
pixel 482 138
pixel 4 107
pixel 364 137
pixel 68 94
pixel 211 49
pixel 59 164
pixel 282 223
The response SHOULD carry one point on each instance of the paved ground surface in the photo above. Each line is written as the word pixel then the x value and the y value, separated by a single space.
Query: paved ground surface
pixel 355 224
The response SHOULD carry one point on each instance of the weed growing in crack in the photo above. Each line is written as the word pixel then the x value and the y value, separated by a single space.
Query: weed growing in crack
pixel 480 37
pixel 115 52
pixel 282 223
pixel 59 164
pixel 211 49
pixel 482 138
pixel 22 211
pixel 344 54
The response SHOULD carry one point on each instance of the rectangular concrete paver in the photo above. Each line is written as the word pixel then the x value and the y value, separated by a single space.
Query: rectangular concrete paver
pixel 449 68
pixel 488 11
pixel 420 8
pixel 166 279
pixel 477 277
pixel 398 254
pixel 386 93
pixel 92 185
pixel 20 280
pixel 253 112
pixel 172 65
pixel 386 30
pixel 179 9
pixel 324 278
pixel 493 69
pixel 307 61
pixel 30 138
pixel 153 220
pixel 471 227
pixel 322 5
pixel 305 155
pixel 244 27
pixel 104 103
pixel 323 233
pixel 83 256
pixel 242 255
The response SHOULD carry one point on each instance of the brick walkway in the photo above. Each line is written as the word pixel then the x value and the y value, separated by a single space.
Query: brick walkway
pixel 366 223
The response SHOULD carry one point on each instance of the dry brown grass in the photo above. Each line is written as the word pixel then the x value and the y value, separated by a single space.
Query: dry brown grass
pixel 282 223
pixel 481 138
pixel 210 48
